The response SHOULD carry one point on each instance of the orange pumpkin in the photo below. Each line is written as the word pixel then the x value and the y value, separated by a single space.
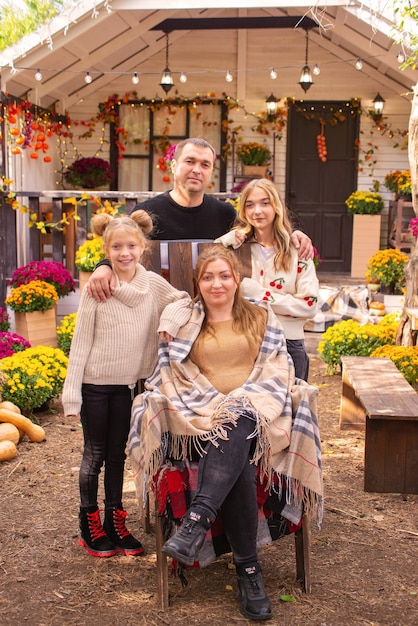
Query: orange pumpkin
pixel 34 155
pixel 14 131
pixel 16 150
pixel 47 159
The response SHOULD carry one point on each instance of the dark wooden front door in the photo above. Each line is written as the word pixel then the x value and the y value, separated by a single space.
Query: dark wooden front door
pixel 316 190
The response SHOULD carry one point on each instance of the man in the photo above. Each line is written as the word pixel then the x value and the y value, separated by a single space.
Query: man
pixel 187 212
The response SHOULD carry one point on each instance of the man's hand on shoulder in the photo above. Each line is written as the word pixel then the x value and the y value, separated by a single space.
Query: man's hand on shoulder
pixel 303 244
pixel 101 283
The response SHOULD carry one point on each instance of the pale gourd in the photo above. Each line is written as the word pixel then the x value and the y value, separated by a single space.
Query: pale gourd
pixel 8 450
pixel 34 432
pixel 6 404
pixel 9 432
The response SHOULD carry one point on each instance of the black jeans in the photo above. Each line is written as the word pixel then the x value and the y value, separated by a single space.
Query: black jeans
pixel 105 417
pixel 296 349
pixel 227 483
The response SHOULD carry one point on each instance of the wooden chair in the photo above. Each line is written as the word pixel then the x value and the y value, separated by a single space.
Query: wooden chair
pixel 302 553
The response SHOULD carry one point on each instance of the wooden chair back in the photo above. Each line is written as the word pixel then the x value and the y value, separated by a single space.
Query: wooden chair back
pixel 175 260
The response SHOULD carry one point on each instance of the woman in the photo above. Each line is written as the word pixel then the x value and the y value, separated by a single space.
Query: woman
pixel 225 388
pixel 279 276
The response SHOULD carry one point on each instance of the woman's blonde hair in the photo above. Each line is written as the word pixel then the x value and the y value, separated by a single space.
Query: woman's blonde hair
pixel 282 228
pixel 139 224
pixel 247 318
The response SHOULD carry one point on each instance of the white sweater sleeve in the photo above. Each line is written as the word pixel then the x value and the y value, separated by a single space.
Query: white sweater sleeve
pixel 228 240
pixel 303 303
pixel 80 349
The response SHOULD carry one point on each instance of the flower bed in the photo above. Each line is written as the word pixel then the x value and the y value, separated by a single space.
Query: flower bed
pixel 10 343
pixel 65 332
pixel 33 377
pixel 349 338
pixel 405 359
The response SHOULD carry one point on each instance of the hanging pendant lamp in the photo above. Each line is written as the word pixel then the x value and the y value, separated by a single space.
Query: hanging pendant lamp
pixel 167 81
pixel 305 80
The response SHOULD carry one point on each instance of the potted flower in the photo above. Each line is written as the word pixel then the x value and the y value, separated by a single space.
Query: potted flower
pixel 399 183
pixel 51 272
pixel 388 267
pixel 35 311
pixel 87 256
pixel 365 206
pixel 33 377
pixel 88 173
pixel 364 203
pixel 254 157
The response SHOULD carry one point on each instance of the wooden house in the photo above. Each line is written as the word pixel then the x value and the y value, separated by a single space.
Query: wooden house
pixel 99 67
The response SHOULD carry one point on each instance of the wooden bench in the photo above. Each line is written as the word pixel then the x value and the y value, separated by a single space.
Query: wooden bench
pixel 376 398
pixel 176 260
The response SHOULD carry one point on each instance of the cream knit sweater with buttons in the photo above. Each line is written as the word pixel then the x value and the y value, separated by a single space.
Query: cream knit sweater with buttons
pixel 115 342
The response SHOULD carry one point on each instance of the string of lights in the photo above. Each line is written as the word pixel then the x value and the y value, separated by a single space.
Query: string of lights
pixel 42 73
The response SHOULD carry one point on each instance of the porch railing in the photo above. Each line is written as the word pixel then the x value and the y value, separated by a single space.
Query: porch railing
pixel 20 245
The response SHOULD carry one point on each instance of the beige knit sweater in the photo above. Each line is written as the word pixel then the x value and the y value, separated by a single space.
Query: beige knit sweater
pixel 115 342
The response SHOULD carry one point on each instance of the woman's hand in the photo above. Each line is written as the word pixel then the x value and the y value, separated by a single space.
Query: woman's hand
pixel 303 244
pixel 101 283
pixel 165 337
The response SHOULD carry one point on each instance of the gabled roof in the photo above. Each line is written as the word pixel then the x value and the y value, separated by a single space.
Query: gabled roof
pixel 113 38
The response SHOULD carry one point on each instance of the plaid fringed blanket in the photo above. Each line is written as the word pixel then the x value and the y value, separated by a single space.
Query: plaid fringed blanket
pixel 175 485
pixel 341 303
pixel 181 410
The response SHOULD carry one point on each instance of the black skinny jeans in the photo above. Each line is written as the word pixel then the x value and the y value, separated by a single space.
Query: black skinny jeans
pixel 296 349
pixel 105 417
pixel 227 483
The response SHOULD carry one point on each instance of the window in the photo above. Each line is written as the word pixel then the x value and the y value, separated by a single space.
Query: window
pixel 150 127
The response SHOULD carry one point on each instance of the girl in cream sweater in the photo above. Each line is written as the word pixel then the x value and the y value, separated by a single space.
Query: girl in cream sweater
pixel 115 344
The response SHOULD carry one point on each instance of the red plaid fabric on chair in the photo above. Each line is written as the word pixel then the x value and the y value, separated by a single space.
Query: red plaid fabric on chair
pixel 175 485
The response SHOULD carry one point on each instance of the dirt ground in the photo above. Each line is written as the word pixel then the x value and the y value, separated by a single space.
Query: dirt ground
pixel 363 560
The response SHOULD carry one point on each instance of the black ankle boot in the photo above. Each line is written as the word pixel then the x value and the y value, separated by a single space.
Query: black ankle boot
pixel 92 536
pixel 115 528
pixel 184 546
pixel 253 599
